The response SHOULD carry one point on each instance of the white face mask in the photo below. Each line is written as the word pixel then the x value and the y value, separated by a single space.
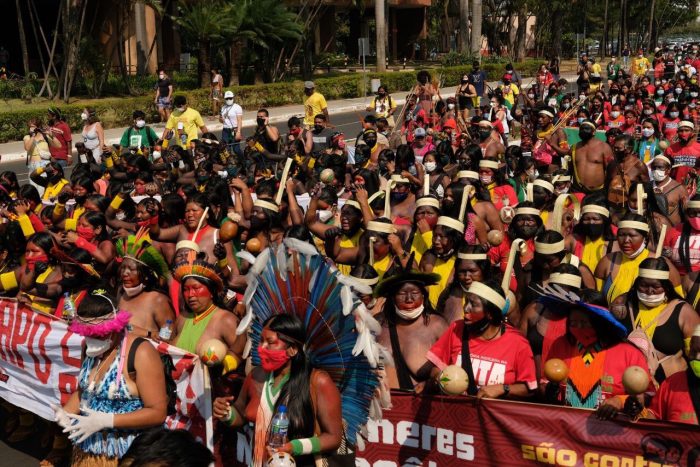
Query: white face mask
pixel 156 155
pixel 96 347
pixel 673 114
pixel 121 215
pixel 133 291
pixel 693 94
pixel 614 114
pixel 450 106
pixel 84 116
pixel 647 132
pixel 532 176
pixel 562 191
pixel 410 315
pixel 180 109
pixel 679 90
pixel 660 92
pixel 648 111
pixel 161 76
pixel 566 105
pixel 430 166
pixel 530 96
pixel 659 175
pixel 324 214
pixel 638 252
pixel 140 123
pixel 552 102
pixel 485 179
pixel 651 300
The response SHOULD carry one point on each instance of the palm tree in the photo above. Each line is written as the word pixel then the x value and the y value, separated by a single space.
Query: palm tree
pixel 207 22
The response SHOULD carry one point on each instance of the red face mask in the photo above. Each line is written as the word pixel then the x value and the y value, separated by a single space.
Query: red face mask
pixel 272 360
pixel 32 260
pixel 295 132
pixel 694 223
pixel 585 336
pixel 88 233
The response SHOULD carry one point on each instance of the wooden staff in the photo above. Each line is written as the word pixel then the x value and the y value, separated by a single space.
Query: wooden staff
pixel 518 245
pixel 201 221
pixel 283 180
pixel 660 244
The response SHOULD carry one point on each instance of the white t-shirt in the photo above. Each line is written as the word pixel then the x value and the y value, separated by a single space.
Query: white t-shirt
pixel 230 114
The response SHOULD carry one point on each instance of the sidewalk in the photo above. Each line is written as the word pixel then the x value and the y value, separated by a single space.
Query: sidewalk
pixel 14 151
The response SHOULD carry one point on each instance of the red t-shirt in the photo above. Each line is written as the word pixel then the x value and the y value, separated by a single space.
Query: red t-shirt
pixel 672 402
pixel 685 156
pixel 673 240
pixel 61 133
pixel 618 358
pixel 669 127
pixel 505 360
pixel 499 256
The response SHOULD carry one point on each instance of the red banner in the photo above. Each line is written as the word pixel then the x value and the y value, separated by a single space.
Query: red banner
pixel 435 431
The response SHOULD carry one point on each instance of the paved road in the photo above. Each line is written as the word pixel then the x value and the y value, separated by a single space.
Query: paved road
pixel 347 122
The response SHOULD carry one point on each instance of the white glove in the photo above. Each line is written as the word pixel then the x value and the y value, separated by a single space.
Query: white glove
pixel 86 425
pixel 60 416
pixel 222 173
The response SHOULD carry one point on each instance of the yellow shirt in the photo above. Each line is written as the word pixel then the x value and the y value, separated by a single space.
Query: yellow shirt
pixel 191 121
pixel 313 106
pixel 640 66
pixel 382 106
pixel 510 97
pixel 443 268
pixel 349 242
pixel 422 242
pixel 381 265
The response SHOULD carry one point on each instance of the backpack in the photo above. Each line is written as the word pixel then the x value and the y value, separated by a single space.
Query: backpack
pixel 638 337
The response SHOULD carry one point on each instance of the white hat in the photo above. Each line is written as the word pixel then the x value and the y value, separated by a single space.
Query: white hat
pixel 309 84
pixel 228 95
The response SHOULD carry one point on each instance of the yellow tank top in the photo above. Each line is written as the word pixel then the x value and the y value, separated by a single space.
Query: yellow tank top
pixel 593 251
pixel 382 265
pixel 443 268
pixel 422 242
pixel 52 190
pixel 349 242
pixel 41 304
pixel 625 275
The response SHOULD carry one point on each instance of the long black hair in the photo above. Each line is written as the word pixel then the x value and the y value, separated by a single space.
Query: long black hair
pixel 655 264
pixel 684 244
pixel 296 394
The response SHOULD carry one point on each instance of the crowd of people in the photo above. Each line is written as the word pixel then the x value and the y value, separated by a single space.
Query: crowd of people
pixel 580 244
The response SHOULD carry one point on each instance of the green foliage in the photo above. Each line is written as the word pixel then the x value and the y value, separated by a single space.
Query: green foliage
pixel 115 112
pixel 457 58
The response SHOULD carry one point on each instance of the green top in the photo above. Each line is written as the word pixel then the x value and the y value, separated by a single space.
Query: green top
pixel 192 332
pixel 138 137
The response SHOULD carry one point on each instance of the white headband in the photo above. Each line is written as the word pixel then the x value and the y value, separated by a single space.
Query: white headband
pixel 550 248
pixel 565 279
pixel 544 184
pixel 654 274
pixel 451 223
pixel 594 208
pixel 382 227
pixel 527 212
pixel 486 292
pixel 633 225
pixel 489 164
pixel 473 256
pixel 261 203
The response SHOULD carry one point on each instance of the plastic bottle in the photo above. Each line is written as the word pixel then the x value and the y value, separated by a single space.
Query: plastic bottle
pixel 166 332
pixel 68 307
pixel 280 425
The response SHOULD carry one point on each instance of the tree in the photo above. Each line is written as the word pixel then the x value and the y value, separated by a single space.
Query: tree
pixel 381 34
pixel 22 39
pixel 206 22
pixel 477 18
pixel 463 25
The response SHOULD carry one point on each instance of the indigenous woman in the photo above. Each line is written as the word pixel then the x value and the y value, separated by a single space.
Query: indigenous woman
pixel 653 306
pixel 424 222
pixel 440 259
pixel 496 356
pixel 491 178
pixel 619 270
pixel 596 354
pixel 285 340
pixel 91 235
pixel 121 386
pixel 593 234
pixel 472 265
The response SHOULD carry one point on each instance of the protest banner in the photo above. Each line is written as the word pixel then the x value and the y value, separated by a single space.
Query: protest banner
pixel 40 363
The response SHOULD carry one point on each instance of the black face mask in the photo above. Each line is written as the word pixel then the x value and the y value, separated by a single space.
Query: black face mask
pixel 257 224
pixel 202 179
pixel 619 155
pixel 585 133
pixel 526 231
pixel 52 121
pixel 260 121
pixel 80 199
pixel 362 154
pixel 464 163
pixel 398 197
pixel 371 142
pixel 483 134
pixel 318 128
pixel 593 230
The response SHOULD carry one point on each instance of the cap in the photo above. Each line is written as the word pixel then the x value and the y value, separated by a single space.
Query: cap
pixel 309 85
pixel 419 132
pixel 686 124
pixel 228 95
pixel 450 123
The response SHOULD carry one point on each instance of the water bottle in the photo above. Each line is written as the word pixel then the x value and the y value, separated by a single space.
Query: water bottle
pixel 68 307
pixel 166 332
pixel 278 431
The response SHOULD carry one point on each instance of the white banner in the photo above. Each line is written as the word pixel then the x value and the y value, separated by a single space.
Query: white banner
pixel 40 363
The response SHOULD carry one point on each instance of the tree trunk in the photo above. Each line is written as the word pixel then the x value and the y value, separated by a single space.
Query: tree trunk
pixel 22 39
pixel 463 42
pixel 477 17
pixel 556 32
pixel 651 25
pixel 204 63
pixel 234 72
pixel 380 26
pixel 521 34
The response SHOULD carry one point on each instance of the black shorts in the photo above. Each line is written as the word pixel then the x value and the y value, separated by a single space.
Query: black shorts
pixel 465 102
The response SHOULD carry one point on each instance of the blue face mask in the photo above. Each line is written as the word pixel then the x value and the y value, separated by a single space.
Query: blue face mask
pixel 398 197
pixel 580 120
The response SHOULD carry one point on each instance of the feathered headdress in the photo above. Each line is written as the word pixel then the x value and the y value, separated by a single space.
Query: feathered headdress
pixel 199 269
pixel 63 257
pixel 137 248
pixel 294 279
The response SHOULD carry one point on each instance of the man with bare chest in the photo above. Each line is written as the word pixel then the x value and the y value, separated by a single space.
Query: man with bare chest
pixel 590 158
pixel 626 169
pixel 403 202
pixel 409 327
pixel 490 141
pixel 674 194
pixel 142 269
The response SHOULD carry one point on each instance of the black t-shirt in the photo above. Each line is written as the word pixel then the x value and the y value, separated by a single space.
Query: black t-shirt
pixel 163 85
pixel 669 66
pixel 321 140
